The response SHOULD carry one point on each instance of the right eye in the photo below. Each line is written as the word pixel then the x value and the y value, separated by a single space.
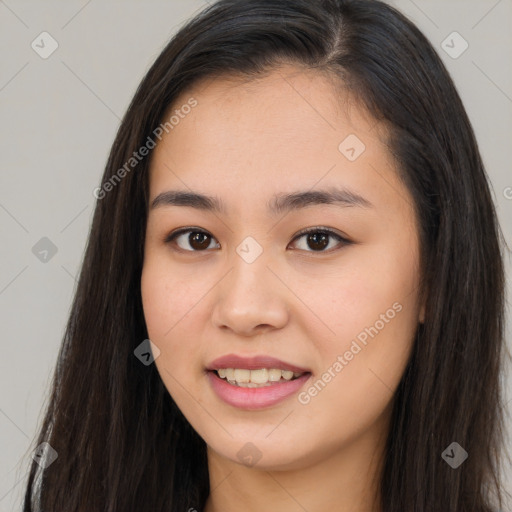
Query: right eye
pixel 198 239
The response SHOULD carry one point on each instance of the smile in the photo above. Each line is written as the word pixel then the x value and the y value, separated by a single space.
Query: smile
pixel 251 395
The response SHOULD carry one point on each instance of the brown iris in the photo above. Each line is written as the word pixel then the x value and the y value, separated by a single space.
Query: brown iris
pixel 199 240
pixel 318 240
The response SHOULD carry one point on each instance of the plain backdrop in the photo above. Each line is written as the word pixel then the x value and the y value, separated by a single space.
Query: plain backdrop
pixel 59 116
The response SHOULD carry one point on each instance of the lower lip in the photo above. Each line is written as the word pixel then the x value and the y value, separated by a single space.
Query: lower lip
pixel 255 398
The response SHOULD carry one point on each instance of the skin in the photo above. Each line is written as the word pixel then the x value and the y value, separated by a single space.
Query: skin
pixel 245 142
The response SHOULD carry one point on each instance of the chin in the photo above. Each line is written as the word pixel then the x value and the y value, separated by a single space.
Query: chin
pixel 265 453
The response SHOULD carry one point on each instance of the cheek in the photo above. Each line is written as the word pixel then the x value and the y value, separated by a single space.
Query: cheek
pixel 373 314
pixel 172 306
pixel 371 310
pixel 169 298
pixel 358 296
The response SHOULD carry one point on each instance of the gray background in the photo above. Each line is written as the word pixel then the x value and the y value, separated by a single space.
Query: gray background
pixel 59 117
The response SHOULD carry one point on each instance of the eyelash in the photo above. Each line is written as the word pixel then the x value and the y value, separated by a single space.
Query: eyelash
pixel 318 229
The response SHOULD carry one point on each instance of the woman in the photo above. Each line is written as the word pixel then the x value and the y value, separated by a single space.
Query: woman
pixel 292 293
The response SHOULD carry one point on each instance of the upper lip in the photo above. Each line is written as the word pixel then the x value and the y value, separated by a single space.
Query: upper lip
pixel 253 363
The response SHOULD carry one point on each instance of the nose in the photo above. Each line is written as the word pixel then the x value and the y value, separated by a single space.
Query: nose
pixel 250 300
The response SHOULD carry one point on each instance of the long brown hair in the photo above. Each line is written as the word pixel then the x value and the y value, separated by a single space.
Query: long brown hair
pixel 122 443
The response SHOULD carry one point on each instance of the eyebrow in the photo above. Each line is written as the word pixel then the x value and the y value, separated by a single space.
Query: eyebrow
pixel 278 204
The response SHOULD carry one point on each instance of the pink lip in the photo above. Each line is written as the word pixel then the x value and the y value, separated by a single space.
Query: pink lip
pixel 253 363
pixel 255 398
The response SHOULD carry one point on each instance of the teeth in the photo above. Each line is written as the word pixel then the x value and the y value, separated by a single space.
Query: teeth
pixel 255 378
pixel 243 376
pixel 274 375
pixel 258 376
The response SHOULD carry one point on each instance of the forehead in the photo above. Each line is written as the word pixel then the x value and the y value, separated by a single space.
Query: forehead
pixel 305 103
pixel 283 131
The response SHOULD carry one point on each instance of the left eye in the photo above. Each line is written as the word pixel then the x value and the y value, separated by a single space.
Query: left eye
pixel 199 240
pixel 318 238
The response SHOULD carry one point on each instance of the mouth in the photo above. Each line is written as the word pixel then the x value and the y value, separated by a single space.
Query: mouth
pixel 254 382
pixel 240 392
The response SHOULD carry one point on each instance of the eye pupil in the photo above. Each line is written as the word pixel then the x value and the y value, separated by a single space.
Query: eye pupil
pixel 318 238
pixel 196 237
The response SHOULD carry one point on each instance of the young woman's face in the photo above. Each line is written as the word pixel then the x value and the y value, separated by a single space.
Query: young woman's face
pixel 244 281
